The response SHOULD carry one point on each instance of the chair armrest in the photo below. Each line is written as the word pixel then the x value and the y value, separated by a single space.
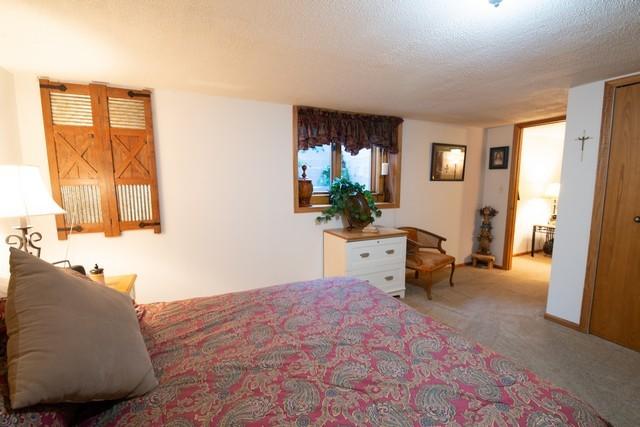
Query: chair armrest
pixel 422 239
pixel 414 247
pixel 443 239
pixel 435 236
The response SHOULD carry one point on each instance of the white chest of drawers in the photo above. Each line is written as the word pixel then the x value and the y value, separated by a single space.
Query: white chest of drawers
pixel 376 257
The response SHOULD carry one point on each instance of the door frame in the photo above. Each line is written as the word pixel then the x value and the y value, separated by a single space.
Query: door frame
pixel 599 197
pixel 514 181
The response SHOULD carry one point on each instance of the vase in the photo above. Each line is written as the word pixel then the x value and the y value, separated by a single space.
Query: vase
pixel 305 189
pixel 357 206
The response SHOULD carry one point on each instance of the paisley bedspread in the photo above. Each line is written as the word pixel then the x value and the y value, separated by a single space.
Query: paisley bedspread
pixel 328 352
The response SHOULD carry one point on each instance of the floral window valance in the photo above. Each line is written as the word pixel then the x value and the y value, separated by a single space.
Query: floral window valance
pixel 353 131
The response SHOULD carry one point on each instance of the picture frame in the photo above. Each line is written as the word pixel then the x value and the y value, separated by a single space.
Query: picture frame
pixel 499 158
pixel 448 162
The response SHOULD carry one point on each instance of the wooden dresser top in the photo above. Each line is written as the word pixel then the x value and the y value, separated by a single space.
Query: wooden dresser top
pixel 355 235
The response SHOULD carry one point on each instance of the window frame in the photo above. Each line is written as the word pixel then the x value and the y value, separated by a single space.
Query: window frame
pixel 385 189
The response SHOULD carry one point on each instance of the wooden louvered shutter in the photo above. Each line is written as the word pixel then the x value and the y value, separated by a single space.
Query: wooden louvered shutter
pixel 134 165
pixel 101 158
pixel 75 156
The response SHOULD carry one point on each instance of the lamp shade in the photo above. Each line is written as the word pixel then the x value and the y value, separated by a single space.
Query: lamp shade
pixel 552 191
pixel 23 194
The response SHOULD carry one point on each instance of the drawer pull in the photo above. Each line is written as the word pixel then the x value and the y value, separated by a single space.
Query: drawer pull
pixel 364 255
pixel 388 278
pixel 390 251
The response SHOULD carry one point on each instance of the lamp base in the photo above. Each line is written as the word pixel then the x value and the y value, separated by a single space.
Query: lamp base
pixel 25 240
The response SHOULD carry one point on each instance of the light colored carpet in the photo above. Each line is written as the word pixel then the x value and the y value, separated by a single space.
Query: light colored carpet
pixel 503 310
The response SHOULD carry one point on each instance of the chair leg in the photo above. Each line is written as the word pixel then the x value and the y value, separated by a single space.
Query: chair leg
pixel 453 268
pixel 416 275
pixel 428 285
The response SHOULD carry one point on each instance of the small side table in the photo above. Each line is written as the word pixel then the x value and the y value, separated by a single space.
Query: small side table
pixel 486 259
pixel 548 230
pixel 125 284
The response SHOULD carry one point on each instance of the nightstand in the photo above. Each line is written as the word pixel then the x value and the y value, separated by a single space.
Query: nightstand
pixel 125 284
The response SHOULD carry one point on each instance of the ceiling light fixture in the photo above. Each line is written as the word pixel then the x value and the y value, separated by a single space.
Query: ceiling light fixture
pixel 496 3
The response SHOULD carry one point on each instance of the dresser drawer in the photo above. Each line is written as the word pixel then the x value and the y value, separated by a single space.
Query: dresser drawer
pixel 375 252
pixel 388 280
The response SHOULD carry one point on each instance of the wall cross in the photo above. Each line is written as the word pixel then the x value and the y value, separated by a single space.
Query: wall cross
pixel 584 138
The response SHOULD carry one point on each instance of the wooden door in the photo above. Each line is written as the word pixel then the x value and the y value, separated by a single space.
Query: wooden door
pixel 615 314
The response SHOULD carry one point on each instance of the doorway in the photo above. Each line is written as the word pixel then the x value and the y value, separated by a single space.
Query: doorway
pixel 533 192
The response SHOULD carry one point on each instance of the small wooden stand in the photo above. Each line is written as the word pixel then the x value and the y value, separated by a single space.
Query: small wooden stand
pixel 487 259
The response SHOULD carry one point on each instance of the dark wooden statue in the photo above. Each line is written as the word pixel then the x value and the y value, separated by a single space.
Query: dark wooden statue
pixel 485 236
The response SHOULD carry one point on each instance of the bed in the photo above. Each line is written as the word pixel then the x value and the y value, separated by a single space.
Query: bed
pixel 326 352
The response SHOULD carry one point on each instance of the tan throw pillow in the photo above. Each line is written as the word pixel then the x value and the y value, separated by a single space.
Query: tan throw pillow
pixel 70 340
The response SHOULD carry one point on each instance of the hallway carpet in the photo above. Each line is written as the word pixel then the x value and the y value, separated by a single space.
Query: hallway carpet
pixel 503 310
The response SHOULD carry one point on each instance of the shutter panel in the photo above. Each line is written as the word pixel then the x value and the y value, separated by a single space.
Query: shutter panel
pixel 134 165
pixel 74 154
pixel 101 157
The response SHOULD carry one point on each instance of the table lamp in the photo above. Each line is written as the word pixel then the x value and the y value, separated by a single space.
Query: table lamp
pixel 23 195
pixel 552 192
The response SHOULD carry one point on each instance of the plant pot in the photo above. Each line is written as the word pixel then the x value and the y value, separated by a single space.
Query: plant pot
pixel 357 206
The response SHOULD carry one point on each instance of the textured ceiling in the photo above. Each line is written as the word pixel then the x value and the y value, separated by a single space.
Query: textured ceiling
pixel 461 61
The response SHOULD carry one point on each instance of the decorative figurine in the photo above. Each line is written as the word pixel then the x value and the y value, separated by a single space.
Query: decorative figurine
pixel 485 236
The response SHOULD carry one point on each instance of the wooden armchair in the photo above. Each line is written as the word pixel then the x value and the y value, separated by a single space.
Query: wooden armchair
pixel 423 260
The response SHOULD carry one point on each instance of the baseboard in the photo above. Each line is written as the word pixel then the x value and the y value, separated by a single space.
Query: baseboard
pixel 463 264
pixel 563 322
pixel 527 252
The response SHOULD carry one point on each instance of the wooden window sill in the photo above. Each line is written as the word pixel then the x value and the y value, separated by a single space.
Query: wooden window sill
pixel 320 208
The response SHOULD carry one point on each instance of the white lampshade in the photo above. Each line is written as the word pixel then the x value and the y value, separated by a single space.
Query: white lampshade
pixel 23 194
pixel 552 191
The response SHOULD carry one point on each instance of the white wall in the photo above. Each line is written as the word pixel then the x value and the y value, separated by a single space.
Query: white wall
pixel 575 207
pixel 445 208
pixel 575 204
pixel 9 140
pixel 540 165
pixel 496 186
pixel 227 200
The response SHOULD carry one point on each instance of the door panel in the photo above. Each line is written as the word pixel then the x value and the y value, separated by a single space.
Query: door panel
pixel 616 305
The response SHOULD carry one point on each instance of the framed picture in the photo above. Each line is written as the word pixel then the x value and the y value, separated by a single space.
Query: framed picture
pixel 448 162
pixel 499 158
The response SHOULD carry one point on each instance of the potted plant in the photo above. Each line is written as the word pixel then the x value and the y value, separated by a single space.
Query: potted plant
pixel 352 201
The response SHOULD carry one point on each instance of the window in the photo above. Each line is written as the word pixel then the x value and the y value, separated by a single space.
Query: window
pixel 318 162
pixel 322 170
pixel 357 168
pixel 101 157
pixel 375 167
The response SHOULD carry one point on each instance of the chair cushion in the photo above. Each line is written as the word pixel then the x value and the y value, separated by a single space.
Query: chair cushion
pixel 428 261
pixel 70 339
